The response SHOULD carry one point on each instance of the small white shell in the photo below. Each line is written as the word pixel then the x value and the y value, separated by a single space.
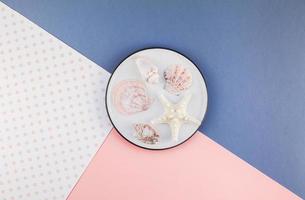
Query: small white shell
pixel 177 79
pixel 130 97
pixel 147 69
pixel 146 133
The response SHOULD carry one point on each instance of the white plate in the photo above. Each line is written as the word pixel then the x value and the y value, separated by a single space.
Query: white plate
pixel 162 58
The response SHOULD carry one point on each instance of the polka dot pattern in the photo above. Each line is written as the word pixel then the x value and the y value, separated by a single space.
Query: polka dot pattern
pixel 52 111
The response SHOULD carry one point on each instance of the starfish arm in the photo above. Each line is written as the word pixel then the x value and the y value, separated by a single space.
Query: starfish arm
pixel 192 119
pixel 175 128
pixel 164 101
pixel 184 101
pixel 159 120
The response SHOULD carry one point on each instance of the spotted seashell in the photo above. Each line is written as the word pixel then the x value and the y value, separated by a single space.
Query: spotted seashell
pixel 146 133
pixel 177 79
pixel 147 69
pixel 130 97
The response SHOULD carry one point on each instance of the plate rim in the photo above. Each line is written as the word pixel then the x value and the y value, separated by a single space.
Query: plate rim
pixel 149 48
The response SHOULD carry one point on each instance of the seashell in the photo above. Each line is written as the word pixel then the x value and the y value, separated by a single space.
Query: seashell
pixel 148 70
pixel 177 79
pixel 146 133
pixel 130 97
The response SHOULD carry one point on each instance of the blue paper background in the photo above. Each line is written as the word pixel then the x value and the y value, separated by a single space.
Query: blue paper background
pixel 252 54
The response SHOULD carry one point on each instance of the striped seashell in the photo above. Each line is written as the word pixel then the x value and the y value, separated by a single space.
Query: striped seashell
pixel 130 97
pixel 177 79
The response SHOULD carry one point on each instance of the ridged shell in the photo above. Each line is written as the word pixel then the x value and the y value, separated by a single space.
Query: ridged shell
pixel 177 79
pixel 146 133
pixel 147 69
pixel 130 97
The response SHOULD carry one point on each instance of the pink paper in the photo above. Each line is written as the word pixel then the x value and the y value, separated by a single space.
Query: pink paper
pixel 198 169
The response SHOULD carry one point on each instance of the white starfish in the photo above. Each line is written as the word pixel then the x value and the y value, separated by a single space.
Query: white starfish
pixel 175 115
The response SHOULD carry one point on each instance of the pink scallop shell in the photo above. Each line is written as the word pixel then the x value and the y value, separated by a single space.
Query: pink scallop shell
pixel 177 79
pixel 130 97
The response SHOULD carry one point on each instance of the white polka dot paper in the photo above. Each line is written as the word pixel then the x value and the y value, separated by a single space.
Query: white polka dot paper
pixel 52 111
